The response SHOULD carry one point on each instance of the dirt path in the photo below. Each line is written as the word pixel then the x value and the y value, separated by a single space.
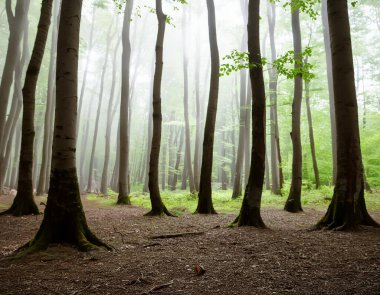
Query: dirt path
pixel 284 259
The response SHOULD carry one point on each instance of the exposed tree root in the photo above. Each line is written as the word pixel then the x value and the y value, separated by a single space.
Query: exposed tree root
pixel 249 217
pixel 159 212
pixel 169 236
pixel 123 200
pixel 22 205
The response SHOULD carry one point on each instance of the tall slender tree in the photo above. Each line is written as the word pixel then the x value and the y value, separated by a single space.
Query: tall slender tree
pixel 250 209
pixel 158 207
pixel 64 219
pixel 347 209
pixel 205 205
pixel 293 203
pixel 123 197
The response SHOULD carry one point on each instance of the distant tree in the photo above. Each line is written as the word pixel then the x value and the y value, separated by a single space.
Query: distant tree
pixel 205 205
pixel 64 220
pixel 158 207
pixel 347 209
pixel 24 204
pixel 124 190
pixel 250 209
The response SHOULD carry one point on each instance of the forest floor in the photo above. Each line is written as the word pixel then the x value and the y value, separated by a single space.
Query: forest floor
pixel 287 258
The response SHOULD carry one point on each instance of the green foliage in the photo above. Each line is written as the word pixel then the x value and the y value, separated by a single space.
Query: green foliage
pixel 284 62
pixel 236 61
pixel 307 6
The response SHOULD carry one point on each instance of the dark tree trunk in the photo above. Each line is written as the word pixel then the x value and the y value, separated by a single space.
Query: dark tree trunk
pixel 49 119
pixel 250 209
pixel 311 134
pixel 205 205
pixel 64 220
pixel 293 203
pixel 326 38
pixel 95 137
pixel 347 209
pixel 158 207
pixel 276 170
pixel 123 197
pixel 237 187
pixel 24 204
pixel 17 23
pixel 104 184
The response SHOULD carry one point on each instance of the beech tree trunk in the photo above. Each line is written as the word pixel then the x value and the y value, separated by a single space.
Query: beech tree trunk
pixel 347 209
pixel 205 205
pixel 250 209
pixel 293 203
pixel 177 162
pixel 326 38
pixel 158 207
pixel 123 197
pixel 64 220
pixel 49 119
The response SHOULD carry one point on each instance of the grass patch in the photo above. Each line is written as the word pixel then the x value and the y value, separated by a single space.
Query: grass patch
pixel 180 202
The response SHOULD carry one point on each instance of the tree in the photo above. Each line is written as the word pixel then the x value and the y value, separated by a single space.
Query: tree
pixel 158 207
pixel 123 197
pixel 250 209
pixel 293 203
pixel 24 204
pixel 64 219
pixel 347 209
pixel 205 205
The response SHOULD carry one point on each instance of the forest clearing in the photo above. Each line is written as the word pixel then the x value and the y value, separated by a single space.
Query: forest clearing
pixel 286 258
pixel 189 147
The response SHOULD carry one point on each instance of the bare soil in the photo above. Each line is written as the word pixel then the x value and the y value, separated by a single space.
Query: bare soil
pixel 287 258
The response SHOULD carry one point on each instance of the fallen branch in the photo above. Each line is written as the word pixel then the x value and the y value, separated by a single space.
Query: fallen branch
pixel 151 245
pixel 169 236
pixel 159 287
pixel 81 290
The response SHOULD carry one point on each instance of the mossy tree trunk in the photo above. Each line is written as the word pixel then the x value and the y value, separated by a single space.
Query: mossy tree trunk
pixel 123 197
pixel 293 203
pixel 24 204
pixel 205 205
pixel 347 209
pixel 250 209
pixel 158 207
pixel 64 219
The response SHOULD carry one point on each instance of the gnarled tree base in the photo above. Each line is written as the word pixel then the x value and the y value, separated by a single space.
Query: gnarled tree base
pixel 249 216
pixel 123 200
pixel 159 212
pixel 292 205
pixel 205 206
pixel 343 215
pixel 22 205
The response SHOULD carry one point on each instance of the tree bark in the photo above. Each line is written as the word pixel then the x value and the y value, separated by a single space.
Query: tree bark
pixel 158 207
pixel 293 203
pixel 205 205
pixel 64 220
pixel 177 162
pixel 347 209
pixel 124 190
pixel 49 119
pixel 250 209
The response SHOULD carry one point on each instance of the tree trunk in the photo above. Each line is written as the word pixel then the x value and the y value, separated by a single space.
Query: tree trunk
pixel 48 122
pixel 24 204
pixel 250 209
pixel 95 137
pixel 104 184
pixel 177 162
pixel 17 23
pixel 326 38
pixel 124 190
pixel 188 166
pixel 273 80
pixel 293 203
pixel 158 207
pixel 347 209
pixel 64 220
pixel 205 205
pixel 311 134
